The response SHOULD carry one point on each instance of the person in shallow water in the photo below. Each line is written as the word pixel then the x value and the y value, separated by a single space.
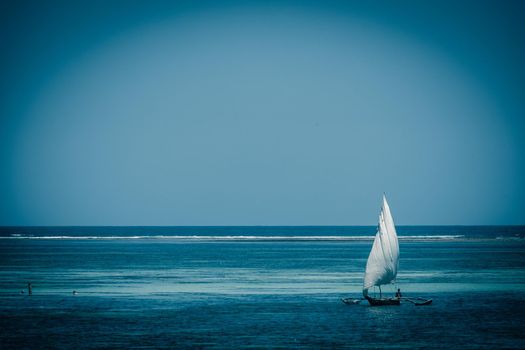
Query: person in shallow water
pixel 398 293
pixel 29 289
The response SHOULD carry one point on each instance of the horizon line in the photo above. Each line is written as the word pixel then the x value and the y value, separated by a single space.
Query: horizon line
pixel 401 225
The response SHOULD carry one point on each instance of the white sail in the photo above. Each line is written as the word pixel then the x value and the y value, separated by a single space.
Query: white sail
pixel 383 261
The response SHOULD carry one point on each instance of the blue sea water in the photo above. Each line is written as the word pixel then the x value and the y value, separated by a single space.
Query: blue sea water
pixel 257 287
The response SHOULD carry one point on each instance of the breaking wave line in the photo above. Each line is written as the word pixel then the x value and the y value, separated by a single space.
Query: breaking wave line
pixel 238 238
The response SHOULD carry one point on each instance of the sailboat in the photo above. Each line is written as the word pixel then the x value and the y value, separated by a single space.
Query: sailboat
pixel 383 261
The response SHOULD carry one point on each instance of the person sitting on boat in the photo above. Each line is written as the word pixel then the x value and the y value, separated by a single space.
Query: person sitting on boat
pixel 398 293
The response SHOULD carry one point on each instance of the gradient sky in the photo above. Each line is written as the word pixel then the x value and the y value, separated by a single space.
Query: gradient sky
pixel 261 113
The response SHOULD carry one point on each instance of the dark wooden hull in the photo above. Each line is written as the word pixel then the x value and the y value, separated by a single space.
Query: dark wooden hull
pixel 383 302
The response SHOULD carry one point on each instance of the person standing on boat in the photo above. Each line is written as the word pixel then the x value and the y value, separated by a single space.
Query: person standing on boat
pixel 398 293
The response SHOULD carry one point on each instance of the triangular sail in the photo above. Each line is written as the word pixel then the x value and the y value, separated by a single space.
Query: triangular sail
pixel 383 261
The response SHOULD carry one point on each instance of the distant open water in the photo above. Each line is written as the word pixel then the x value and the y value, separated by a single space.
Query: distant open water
pixel 262 232
pixel 230 287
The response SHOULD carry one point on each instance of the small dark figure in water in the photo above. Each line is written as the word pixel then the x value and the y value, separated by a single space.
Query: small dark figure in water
pixel 29 289
pixel 74 292
pixel 22 291
pixel 398 293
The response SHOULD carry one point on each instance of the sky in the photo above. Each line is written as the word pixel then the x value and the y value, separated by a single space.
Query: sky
pixel 261 112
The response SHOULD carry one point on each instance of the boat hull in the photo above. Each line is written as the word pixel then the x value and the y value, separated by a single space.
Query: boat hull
pixel 383 302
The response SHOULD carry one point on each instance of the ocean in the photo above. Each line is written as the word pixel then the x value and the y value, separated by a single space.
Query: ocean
pixel 257 287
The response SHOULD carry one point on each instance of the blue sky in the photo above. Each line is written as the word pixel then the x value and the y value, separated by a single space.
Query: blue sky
pixel 261 113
